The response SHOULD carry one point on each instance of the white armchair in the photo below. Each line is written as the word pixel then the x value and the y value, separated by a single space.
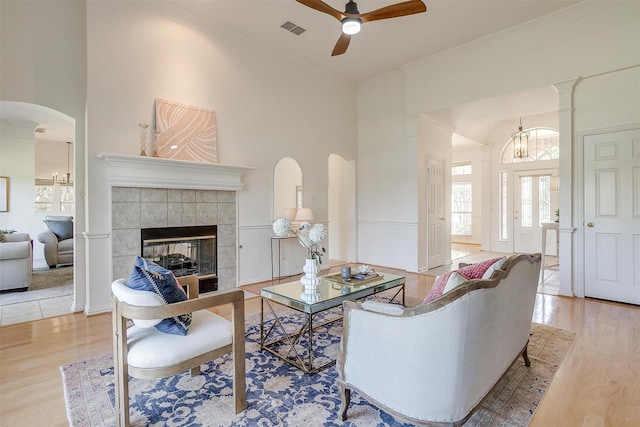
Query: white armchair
pixel 16 262
pixel 435 362
pixel 142 351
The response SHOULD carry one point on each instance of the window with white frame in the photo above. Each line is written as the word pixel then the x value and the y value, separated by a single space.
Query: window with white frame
pixel 543 144
pixel 461 200
pixel 53 196
pixel 504 231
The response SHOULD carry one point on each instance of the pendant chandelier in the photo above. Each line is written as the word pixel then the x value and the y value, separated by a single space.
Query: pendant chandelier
pixel 520 141
pixel 68 180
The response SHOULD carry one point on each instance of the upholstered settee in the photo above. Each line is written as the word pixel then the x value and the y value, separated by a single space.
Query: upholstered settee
pixel 434 363
pixel 58 240
pixel 15 261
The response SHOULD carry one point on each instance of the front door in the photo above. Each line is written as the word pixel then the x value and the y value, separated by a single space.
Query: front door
pixel 435 213
pixel 612 216
pixel 532 206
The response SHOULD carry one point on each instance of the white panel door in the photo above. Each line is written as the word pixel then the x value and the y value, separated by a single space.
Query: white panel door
pixel 531 207
pixel 612 216
pixel 435 213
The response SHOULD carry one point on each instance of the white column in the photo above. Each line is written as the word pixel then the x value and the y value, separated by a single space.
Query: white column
pixel 567 250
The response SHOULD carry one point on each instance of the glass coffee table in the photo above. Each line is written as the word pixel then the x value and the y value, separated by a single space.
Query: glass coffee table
pixel 294 345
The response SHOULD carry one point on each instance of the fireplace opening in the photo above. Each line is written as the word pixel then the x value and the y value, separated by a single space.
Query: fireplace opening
pixel 184 251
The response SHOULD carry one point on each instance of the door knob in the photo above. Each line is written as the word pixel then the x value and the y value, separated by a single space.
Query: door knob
pixel 590 225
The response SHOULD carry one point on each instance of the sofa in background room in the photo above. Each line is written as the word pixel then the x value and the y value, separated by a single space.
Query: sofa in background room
pixel 58 240
pixel 16 261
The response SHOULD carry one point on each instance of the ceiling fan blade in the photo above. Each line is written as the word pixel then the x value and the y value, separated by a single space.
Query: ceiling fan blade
pixel 399 9
pixel 321 6
pixel 341 45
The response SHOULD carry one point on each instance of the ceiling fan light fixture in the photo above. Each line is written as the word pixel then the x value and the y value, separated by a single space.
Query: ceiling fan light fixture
pixel 351 26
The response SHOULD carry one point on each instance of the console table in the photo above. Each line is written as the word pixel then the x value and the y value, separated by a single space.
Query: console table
pixel 275 247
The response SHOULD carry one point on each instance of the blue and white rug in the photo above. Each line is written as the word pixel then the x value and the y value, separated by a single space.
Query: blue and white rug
pixel 279 394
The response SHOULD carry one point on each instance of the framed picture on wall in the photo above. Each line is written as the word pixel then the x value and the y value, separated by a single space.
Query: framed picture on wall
pixel 4 194
pixel 185 132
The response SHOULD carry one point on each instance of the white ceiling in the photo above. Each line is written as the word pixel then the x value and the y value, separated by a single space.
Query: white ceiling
pixel 381 46
pixel 51 125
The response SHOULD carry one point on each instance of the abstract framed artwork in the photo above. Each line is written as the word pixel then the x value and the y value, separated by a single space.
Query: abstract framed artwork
pixel 4 194
pixel 185 132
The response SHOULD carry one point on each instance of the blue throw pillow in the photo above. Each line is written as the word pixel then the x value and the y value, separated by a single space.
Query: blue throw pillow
pixel 148 276
pixel 63 229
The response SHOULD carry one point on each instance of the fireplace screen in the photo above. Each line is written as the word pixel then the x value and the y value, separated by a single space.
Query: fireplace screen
pixel 184 251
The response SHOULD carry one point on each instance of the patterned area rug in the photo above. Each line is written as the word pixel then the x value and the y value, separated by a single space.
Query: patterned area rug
pixel 281 395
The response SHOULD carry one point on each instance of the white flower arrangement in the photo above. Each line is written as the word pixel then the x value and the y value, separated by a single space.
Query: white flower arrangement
pixel 308 235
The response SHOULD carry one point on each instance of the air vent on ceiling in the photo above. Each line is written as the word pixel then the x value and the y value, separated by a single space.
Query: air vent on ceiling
pixel 41 130
pixel 290 26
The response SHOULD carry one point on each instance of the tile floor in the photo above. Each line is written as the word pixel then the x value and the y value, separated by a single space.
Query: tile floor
pixel 37 308
pixel 34 310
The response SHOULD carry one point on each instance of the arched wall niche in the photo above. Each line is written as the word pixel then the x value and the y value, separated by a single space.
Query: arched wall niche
pixel 287 186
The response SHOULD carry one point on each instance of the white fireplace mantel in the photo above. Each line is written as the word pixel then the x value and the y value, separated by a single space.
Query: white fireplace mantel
pixel 155 172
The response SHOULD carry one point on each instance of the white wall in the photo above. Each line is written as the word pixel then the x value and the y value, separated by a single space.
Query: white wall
pixel 434 142
pixel 607 100
pixel 43 62
pixel 51 157
pixel 589 39
pixel 387 176
pixel 342 208
pixel 267 107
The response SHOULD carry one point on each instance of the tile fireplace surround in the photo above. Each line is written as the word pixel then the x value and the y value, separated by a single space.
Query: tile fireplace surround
pixel 134 208
pixel 151 192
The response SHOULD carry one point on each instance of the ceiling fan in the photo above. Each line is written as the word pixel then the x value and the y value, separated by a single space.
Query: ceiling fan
pixel 352 19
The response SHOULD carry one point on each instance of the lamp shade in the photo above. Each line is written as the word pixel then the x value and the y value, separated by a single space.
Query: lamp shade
pixel 304 214
pixel 289 213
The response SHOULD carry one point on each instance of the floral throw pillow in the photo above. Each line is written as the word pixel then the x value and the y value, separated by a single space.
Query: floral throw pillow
pixel 148 276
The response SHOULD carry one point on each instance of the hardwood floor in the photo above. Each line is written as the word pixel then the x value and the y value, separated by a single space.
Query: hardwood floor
pixel 597 384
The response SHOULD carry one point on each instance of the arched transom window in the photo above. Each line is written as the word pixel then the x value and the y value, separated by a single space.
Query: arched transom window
pixel 544 144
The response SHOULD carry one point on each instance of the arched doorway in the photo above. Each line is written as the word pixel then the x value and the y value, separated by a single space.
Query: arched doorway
pixel 529 190
pixel 36 142
pixel 342 209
